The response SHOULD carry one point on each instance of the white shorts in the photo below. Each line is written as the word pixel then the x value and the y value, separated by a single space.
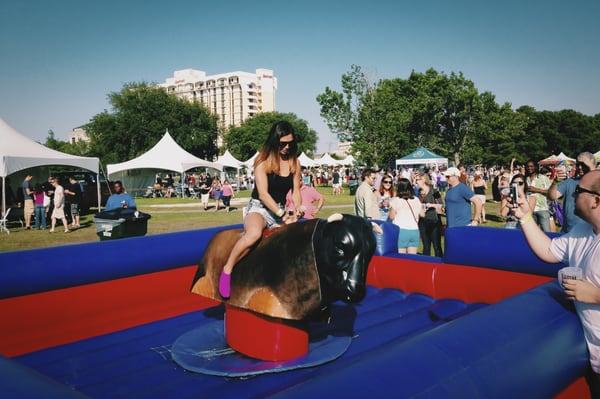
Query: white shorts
pixel 204 198
pixel 336 185
pixel 255 206
pixel 481 198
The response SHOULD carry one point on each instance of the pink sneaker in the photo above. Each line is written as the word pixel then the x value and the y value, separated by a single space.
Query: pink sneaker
pixel 225 285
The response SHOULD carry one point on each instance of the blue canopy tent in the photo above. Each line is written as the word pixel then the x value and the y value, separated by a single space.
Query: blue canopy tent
pixel 422 156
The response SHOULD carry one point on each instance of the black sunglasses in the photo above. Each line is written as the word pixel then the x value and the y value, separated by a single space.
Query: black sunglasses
pixel 282 144
pixel 520 183
pixel 387 181
pixel 580 190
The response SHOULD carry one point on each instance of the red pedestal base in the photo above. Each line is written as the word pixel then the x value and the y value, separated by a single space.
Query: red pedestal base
pixel 262 337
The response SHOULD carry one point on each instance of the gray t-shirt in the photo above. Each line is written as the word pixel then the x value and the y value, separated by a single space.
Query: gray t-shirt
pixel 27 185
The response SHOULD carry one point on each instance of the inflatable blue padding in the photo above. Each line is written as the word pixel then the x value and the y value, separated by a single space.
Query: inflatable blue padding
pixel 420 258
pixel 503 249
pixel 18 381
pixel 39 270
pixel 387 243
pixel 528 346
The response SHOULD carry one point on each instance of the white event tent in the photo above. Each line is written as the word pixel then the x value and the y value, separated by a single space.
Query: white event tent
pixel 229 161
pixel 348 161
pixel 306 162
pixel 19 152
pixel 250 162
pixel 327 160
pixel 166 155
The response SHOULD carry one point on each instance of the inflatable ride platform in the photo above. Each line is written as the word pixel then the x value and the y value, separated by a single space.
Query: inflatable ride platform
pixel 99 320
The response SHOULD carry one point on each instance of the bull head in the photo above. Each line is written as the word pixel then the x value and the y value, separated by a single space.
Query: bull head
pixel 343 246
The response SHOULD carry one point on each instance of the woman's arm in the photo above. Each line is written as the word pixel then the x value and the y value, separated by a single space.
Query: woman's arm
pixel 296 189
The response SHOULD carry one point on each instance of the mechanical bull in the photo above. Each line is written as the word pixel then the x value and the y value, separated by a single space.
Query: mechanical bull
pixel 295 270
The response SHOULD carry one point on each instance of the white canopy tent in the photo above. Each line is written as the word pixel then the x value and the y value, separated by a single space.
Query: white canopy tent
pixel 348 161
pixel 306 162
pixel 229 161
pixel 327 160
pixel 19 152
pixel 250 162
pixel 563 157
pixel 167 155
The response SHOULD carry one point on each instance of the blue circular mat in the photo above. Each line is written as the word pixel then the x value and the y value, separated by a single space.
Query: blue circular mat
pixel 204 350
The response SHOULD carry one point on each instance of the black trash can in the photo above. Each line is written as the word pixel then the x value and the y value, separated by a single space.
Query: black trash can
pixel 353 185
pixel 121 223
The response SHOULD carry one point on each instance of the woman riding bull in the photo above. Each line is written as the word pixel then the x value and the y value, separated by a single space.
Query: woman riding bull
pixel 277 171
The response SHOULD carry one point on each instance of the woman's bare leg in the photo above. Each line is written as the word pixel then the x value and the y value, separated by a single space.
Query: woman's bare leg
pixel 411 250
pixel 254 224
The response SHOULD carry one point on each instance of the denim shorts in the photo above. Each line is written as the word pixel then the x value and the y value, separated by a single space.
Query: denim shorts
pixel 408 238
pixel 255 206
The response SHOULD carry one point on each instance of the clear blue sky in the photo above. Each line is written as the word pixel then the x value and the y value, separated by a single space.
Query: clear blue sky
pixel 59 59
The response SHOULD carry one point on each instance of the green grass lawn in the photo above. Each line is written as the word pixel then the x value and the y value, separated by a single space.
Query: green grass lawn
pixel 177 218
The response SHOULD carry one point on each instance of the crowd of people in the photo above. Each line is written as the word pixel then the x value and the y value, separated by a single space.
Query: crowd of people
pixel 417 200
pixel 46 202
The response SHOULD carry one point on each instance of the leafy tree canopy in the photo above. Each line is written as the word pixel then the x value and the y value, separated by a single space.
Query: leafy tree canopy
pixel 243 141
pixel 140 115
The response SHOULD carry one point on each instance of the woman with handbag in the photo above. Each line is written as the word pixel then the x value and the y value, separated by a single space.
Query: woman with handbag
pixel 405 211
pixel 430 226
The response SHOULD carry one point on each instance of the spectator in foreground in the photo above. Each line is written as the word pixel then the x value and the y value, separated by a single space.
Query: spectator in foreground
pixel 458 201
pixel 312 201
pixel 28 208
pixel 120 199
pixel 59 206
pixel 430 225
pixel 538 185
pixel 73 191
pixel 40 209
pixel 365 200
pixel 566 188
pixel 226 194
pixel 405 212
pixel 578 248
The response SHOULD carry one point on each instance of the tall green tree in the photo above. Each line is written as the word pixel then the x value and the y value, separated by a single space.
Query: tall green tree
pixel 244 140
pixel 80 148
pixel 341 109
pixel 140 115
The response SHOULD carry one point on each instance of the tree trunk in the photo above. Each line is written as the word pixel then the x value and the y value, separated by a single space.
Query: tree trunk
pixel 456 159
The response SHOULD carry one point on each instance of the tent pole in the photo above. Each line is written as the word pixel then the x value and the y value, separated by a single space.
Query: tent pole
pixel 98 190
pixel 3 196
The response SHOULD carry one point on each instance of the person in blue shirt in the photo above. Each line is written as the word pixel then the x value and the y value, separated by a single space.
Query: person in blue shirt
pixel 458 201
pixel 586 162
pixel 119 199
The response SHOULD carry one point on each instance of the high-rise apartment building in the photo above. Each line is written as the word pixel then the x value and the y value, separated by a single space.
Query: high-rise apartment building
pixel 233 96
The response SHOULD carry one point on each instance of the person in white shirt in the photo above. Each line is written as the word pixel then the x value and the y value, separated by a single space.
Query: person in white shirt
pixel 580 247
pixel 405 211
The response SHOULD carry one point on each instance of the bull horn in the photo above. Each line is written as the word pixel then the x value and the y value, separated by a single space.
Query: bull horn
pixel 335 217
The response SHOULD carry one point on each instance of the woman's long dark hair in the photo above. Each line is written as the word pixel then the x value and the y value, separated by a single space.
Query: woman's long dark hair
pixel 405 189
pixel 522 177
pixel 269 153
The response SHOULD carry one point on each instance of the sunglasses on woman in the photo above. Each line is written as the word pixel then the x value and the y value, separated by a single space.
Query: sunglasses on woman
pixel 520 183
pixel 283 144
pixel 387 182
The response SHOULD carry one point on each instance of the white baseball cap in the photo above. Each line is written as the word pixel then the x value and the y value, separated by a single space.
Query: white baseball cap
pixel 452 172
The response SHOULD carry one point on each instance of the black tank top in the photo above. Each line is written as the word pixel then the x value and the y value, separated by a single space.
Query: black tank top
pixel 279 186
pixel 479 190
